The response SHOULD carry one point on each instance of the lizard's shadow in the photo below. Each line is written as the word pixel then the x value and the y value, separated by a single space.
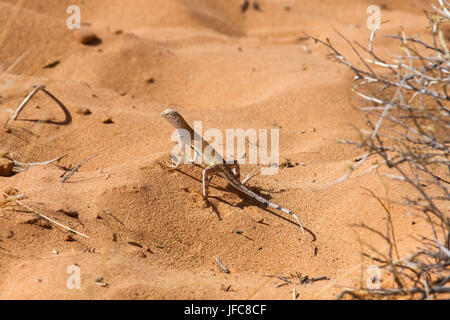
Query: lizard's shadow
pixel 215 186
pixel 209 203
pixel 245 201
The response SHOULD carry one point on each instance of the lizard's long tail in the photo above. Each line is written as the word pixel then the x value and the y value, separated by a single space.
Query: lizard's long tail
pixel 239 186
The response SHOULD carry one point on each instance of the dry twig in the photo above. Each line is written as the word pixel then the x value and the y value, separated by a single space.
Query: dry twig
pixel 14 200
pixel 409 129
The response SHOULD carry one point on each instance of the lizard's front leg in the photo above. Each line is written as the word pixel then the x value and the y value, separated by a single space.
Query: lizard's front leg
pixel 210 170
pixel 182 156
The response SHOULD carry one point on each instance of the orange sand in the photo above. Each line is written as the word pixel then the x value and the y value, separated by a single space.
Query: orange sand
pixel 218 65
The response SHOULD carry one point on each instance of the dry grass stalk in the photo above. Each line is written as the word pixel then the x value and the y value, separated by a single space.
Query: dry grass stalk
pixel 15 200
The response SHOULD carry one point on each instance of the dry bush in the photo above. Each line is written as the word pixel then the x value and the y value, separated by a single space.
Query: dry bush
pixel 407 111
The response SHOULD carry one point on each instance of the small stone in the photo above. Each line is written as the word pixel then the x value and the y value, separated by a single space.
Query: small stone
pixel 83 111
pixel 132 243
pixel 244 6
pixel 10 234
pixel 4 154
pixel 6 167
pixel 52 64
pixel 11 192
pixel 44 224
pixel 72 214
pixel 69 238
pixel 150 80
pixel 54 251
pixel 88 38
pixel 306 49
pixel 287 164
pixel 99 281
pixel 108 120
pixel 26 220
pixel 256 6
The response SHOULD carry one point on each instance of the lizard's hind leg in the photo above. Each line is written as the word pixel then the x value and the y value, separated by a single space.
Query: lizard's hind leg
pixel 210 170
pixel 181 152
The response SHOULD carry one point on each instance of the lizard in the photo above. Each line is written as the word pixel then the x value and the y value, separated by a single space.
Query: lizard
pixel 214 161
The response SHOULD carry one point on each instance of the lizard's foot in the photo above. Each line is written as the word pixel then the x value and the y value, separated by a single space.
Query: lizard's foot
pixel 191 161
pixel 165 166
pixel 252 175
pixel 176 161
pixel 171 167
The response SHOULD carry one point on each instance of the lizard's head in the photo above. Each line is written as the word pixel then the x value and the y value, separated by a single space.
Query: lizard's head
pixel 172 116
